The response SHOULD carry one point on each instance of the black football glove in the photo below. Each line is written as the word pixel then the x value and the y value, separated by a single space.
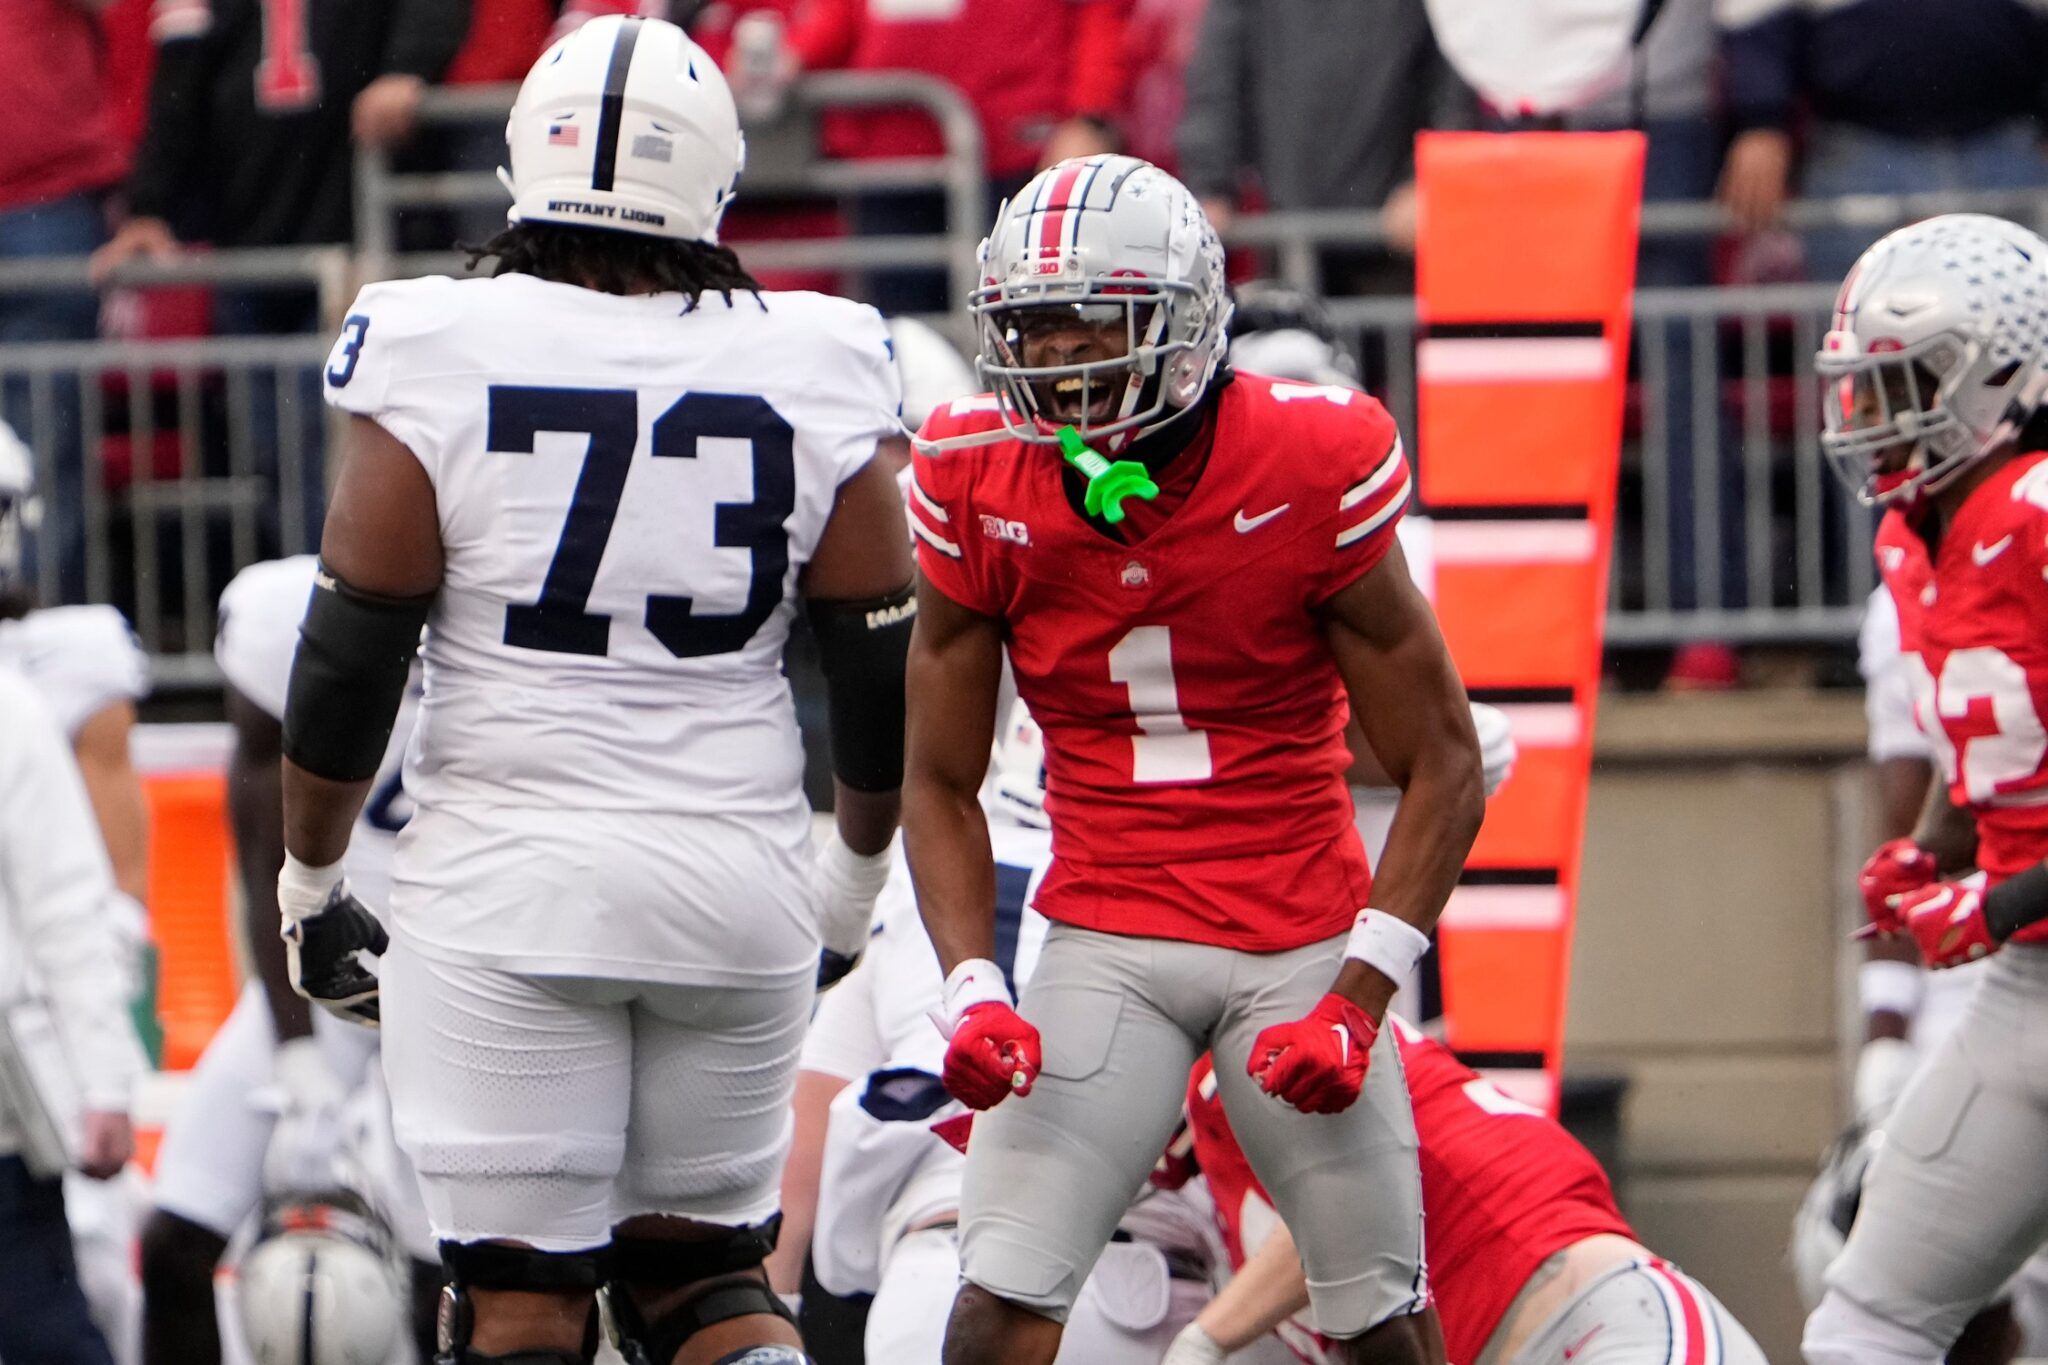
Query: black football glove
pixel 321 951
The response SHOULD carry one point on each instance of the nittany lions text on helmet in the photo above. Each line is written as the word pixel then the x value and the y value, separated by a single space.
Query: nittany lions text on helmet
pixel 1108 239
pixel 1936 354
pixel 625 124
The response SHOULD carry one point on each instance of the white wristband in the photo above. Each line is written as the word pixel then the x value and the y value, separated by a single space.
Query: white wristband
pixel 977 981
pixel 1388 945
pixel 302 891
pixel 1891 987
pixel 857 876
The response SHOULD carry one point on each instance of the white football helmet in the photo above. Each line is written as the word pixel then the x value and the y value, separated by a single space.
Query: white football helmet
pixel 1939 341
pixel 934 373
pixel 1018 790
pixel 1108 238
pixel 19 508
pixel 320 1287
pixel 624 124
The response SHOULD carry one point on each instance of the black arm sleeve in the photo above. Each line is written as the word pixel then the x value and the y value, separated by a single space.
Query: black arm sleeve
pixel 425 36
pixel 862 647
pixel 355 649
pixel 2017 902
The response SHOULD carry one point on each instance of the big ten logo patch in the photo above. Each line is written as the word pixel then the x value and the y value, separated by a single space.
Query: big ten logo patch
pixel 995 528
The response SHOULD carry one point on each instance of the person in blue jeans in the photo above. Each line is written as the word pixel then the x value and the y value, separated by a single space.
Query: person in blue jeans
pixel 62 153
pixel 43 1315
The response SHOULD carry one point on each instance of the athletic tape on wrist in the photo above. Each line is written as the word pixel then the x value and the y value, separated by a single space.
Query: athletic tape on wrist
pixel 300 884
pixel 858 875
pixel 977 981
pixel 1890 987
pixel 1388 945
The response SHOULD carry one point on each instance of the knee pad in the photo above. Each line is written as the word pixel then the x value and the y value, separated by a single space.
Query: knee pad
pixel 644 1341
pixel 668 1263
pixel 480 1265
pixel 1844 1332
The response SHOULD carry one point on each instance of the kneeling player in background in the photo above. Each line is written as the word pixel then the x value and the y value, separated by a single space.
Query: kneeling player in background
pixel 1530 1261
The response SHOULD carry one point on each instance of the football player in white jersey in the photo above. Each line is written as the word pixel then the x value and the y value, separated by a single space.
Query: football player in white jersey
pixel 274 1054
pixel 603 479
pixel 90 671
pixel 85 664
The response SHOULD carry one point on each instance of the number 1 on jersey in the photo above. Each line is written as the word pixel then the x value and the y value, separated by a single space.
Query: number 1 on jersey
pixel 1164 749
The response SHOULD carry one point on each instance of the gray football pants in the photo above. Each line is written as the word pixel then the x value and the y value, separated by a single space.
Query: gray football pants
pixel 1956 1199
pixel 1645 1313
pixel 1123 1020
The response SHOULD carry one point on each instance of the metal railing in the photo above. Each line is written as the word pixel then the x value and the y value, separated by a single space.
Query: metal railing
pixel 1728 526
pixel 192 459
pixel 172 464
pixel 329 271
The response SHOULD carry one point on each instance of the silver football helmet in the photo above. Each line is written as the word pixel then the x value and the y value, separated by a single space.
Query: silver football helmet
pixel 321 1286
pixel 1107 240
pixel 1939 341
pixel 1821 1226
pixel 19 509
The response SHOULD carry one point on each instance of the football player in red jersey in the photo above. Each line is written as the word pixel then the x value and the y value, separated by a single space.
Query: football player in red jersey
pixel 1189 570
pixel 1935 369
pixel 1530 1261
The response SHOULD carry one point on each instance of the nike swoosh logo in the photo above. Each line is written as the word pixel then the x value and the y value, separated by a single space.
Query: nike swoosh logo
pixel 1343 1043
pixel 1573 1350
pixel 1245 523
pixel 1984 554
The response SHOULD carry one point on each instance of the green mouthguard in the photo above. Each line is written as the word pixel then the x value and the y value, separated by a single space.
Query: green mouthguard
pixel 1108 484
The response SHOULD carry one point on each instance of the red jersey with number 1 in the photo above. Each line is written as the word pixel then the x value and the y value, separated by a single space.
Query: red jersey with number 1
pixel 1504 1188
pixel 1193 717
pixel 1973 623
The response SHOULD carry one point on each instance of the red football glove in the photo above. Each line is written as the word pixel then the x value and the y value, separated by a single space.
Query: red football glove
pixel 1947 921
pixel 1898 868
pixel 1316 1064
pixel 993 1052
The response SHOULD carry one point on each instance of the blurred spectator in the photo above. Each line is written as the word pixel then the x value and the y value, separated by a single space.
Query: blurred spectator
pixel 1045 77
pixel 1903 95
pixel 67 153
pixel 505 36
pixel 1319 102
pixel 1160 43
pixel 1671 98
pixel 255 109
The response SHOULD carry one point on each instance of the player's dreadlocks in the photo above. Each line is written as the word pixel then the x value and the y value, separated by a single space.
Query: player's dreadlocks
pixel 614 262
